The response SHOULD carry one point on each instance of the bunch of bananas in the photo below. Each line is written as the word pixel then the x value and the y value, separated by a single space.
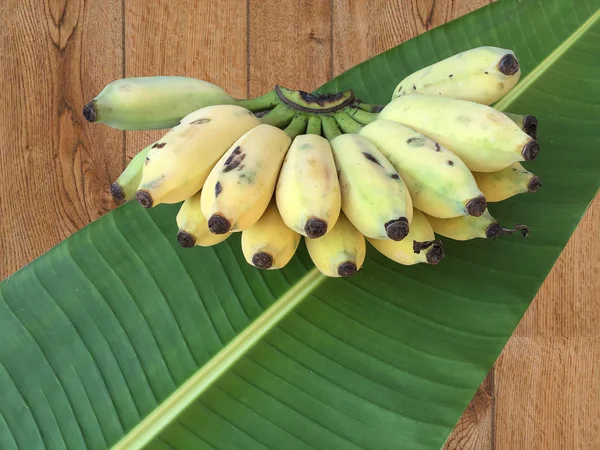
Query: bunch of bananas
pixel 330 168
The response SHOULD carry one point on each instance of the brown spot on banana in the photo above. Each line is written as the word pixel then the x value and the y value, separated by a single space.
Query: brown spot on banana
pixel 371 158
pixel 218 189
pixel 200 121
pixel 234 159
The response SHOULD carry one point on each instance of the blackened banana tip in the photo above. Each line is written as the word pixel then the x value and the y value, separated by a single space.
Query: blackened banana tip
pixel 531 150
pixel 397 229
pixel 534 184
pixel 530 126
pixel 144 199
pixel 508 65
pixel 435 254
pixel 185 239
pixel 476 206
pixel 218 224
pixel 315 228
pixel 89 112
pixel 262 260
pixel 117 193
pixel 347 269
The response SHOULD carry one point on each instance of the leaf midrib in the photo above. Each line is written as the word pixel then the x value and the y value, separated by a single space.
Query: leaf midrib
pixel 203 379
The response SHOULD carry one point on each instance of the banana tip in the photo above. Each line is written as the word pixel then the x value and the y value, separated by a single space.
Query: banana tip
pixel 397 229
pixel 531 150
pixel 508 65
pixel 315 228
pixel 530 126
pixel 117 192
pixel 144 199
pixel 89 112
pixel 476 206
pixel 534 184
pixel 218 224
pixel 262 260
pixel 185 239
pixel 436 253
pixel 347 269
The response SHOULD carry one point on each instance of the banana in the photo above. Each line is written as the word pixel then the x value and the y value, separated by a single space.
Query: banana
pixel 240 186
pixel 481 75
pixel 510 181
pixel 193 226
pixel 127 183
pixel 177 165
pixel 374 197
pixel 308 192
pixel 339 253
pixel 485 139
pixel 468 227
pixel 269 243
pixel 527 123
pixel 150 103
pixel 438 181
pixel 420 246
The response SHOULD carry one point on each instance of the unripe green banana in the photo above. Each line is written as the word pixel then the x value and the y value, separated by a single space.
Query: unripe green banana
pixel 127 184
pixel 149 103
pixel 527 123
pixel 510 181
pixel 468 227
pixel 481 75
pixel 438 181
pixel 485 139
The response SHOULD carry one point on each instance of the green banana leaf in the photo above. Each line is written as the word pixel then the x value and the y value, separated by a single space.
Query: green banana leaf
pixel 118 337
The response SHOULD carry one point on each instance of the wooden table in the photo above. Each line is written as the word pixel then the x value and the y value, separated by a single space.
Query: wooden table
pixel 55 55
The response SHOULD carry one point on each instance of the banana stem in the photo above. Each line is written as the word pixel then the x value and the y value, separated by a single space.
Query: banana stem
pixel 314 125
pixel 331 129
pixel 368 107
pixel 280 116
pixel 266 101
pixel 362 117
pixel 347 124
pixel 297 126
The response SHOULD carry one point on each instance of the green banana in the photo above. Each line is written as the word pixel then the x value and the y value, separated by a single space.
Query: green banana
pixel 126 185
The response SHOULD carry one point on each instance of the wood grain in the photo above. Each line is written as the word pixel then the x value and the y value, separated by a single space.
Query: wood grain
pixel 53 166
pixel 55 169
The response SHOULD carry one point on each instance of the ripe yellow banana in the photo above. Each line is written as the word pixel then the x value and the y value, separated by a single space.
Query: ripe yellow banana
pixel 484 138
pixel 127 183
pixel 240 186
pixel 482 75
pixel 339 253
pixel 420 246
pixel 468 227
pixel 308 191
pixel 374 197
pixel 438 181
pixel 269 243
pixel 149 103
pixel 527 123
pixel 510 181
pixel 177 165
pixel 193 226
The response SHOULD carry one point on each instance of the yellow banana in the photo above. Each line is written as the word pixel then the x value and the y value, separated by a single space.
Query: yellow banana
pixel 149 103
pixel 438 181
pixel 193 226
pixel 240 186
pixel 420 246
pixel 527 123
pixel 127 183
pixel 468 227
pixel 481 75
pixel 177 165
pixel 308 191
pixel 510 181
pixel 484 138
pixel 339 253
pixel 269 243
pixel 374 197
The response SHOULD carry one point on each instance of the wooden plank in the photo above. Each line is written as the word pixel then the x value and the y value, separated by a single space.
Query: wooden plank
pixel 201 39
pixel 547 394
pixel 299 56
pixel 54 167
